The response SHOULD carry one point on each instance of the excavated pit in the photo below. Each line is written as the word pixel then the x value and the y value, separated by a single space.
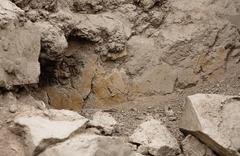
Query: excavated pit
pixel 67 65
pixel 136 60
pixel 61 77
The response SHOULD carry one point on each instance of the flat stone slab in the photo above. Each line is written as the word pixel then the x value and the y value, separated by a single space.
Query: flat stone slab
pixel 42 131
pixel 90 145
pixel 214 119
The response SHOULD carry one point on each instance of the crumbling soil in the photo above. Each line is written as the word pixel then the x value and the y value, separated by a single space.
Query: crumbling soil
pixel 134 59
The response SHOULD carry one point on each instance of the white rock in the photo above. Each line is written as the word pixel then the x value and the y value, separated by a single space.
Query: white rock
pixel 193 147
pixel 156 137
pixel 214 119
pixel 42 131
pixel 90 145
pixel 105 121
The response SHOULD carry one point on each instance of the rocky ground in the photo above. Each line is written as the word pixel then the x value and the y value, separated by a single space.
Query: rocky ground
pixel 96 77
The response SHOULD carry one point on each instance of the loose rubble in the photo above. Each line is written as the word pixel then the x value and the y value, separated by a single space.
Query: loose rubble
pixel 105 121
pixel 62 133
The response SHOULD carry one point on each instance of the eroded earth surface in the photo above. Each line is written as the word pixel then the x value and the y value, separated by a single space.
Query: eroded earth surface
pixel 96 77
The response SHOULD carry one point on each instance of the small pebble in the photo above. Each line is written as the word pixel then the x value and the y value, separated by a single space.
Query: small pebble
pixel 133 109
pixel 139 118
pixel 172 118
pixel 169 111
pixel 41 105
pixel 8 120
pixel 13 109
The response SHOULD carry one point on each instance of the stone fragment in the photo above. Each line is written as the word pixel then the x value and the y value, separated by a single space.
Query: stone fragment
pixel 90 145
pixel 143 149
pixel 13 108
pixel 104 121
pixel 43 129
pixel 214 119
pixel 156 138
pixel 193 147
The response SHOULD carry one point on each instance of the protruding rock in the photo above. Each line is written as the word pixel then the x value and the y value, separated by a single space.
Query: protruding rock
pixel 43 129
pixel 19 47
pixel 19 52
pixel 104 121
pixel 90 145
pixel 13 108
pixel 107 31
pixel 193 147
pixel 53 42
pixel 10 14
pixel 214 119
pixel 156 138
